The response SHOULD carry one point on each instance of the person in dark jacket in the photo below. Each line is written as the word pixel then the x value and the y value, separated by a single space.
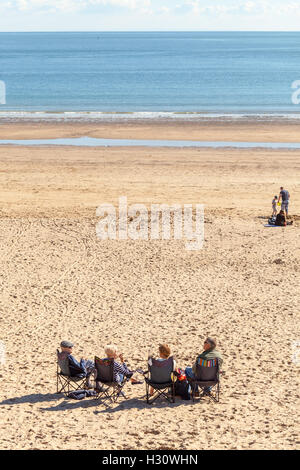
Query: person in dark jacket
pixel 281 219
pixel 84 368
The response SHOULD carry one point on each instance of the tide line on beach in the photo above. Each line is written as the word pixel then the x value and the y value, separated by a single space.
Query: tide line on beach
pixel 97 142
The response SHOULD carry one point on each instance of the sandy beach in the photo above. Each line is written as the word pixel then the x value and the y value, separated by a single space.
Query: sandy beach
pixel 243 129
pixel 59 281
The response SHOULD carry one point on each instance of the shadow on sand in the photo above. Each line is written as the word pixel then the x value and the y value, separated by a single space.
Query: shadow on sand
pixel 101 406
pixel 33 398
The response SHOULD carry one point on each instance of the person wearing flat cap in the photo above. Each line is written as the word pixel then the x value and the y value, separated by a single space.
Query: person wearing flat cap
pixel 84 368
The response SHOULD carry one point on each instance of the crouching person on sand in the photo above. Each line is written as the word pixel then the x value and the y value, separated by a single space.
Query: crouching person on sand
pixel 281 219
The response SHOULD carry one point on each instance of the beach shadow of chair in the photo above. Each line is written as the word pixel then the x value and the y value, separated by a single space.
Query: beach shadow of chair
pixel 107 388
pixel 32 398
pixel 160 379
pixel 207 378
pixel 72 405
pixel 65 383
pixel 139 404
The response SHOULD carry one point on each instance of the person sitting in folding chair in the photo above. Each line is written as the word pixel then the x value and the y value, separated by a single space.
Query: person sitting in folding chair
pixel 83 369
pixel 112 375
pixel 208 354
pixel 120 369
pixel 160 380
pixel 164 354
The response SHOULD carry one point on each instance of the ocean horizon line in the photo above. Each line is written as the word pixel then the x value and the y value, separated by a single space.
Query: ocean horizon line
pixel 158 31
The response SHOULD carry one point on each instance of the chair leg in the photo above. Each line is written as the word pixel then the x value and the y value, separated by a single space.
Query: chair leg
pixel 65 385
pixel 165 393
pixel 214 396
pixel 102 394
pixel 113 396
pixel 154 397
pixel 173 393
pixel 57 384
pixel 193 392
pixel 61 384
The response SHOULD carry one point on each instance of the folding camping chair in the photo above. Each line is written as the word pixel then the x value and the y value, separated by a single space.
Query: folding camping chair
pixel 64 382
pixel 207 378
pixel 109 388
pixel 160 379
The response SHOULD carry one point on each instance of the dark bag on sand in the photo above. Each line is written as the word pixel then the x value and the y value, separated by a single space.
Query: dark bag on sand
pixel 182 386
pixel 81 394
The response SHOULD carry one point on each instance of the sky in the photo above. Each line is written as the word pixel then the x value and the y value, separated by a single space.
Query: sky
pixel 149 15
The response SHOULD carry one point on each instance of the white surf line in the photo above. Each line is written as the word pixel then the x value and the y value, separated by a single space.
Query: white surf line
pixel 97 142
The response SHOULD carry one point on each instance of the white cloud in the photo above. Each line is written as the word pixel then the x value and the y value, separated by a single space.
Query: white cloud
pixel 164 10
pixel 73 5
pixel 249 7
pixel 132 4
pixel 275 7
pixel 203 7
pixel 218 8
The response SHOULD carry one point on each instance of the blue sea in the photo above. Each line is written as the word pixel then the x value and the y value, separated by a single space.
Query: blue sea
pixel 160 74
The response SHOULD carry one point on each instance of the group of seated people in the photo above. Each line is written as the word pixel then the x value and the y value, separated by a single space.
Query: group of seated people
pixel 86 367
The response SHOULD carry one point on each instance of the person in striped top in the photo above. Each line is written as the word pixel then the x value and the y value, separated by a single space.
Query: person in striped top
pixel 120 368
